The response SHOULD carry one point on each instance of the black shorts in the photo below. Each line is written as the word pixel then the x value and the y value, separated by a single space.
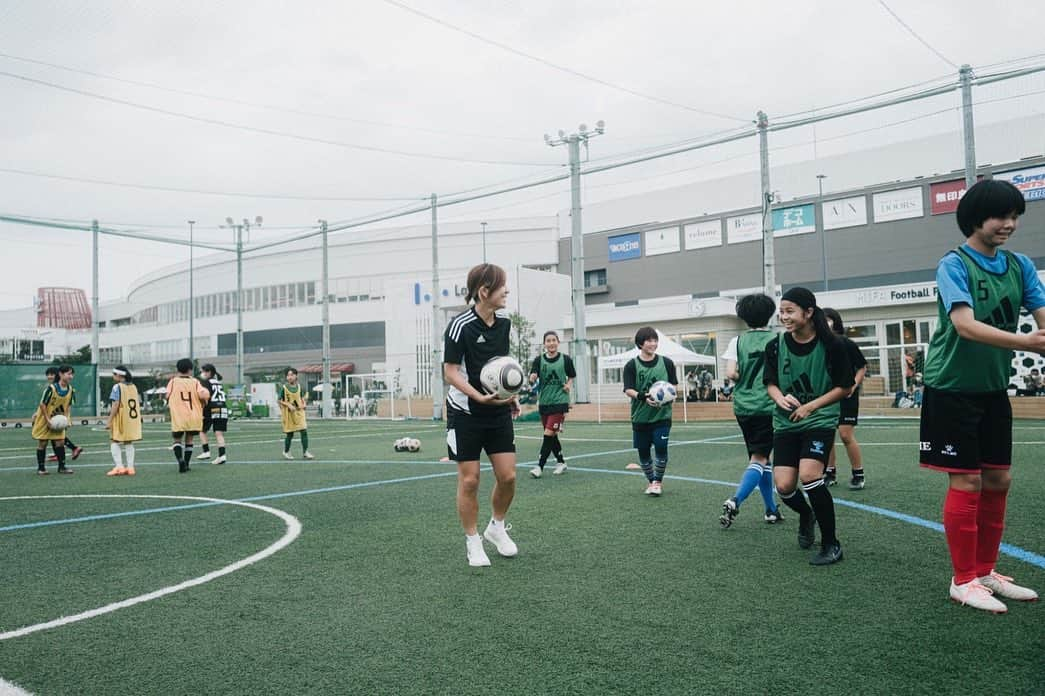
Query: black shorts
pixel 965 433
pixel 467 436
pixel 758 434
pixel 220 425
pixel 793 445
pixel 849 410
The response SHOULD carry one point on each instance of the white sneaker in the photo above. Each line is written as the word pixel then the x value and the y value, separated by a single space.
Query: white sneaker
pixel 221 459
pixel 536 472
pixel 288 455
pixel 203 455
pixel 649 489
pixel 560 468
pixel 308 455
pixel 654 489
pixel 477 557
pixel 1003 586
pixel 977 596
pixel 498 536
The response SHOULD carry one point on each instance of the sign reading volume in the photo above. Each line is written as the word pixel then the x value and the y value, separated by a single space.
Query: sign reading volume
pixel 701 235
pixel 625 246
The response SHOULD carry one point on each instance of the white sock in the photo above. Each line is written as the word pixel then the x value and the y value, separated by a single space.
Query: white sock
pixel 496 523
pixel 473 537
pixel 129 450
pixel 115 449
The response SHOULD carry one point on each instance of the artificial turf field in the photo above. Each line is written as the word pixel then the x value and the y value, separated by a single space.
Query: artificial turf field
pixel 612 591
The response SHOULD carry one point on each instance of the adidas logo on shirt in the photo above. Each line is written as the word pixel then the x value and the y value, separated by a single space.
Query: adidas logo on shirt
pixel 481 339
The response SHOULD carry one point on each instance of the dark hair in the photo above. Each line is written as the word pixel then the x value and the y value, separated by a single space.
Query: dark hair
pixel 51 371
pixel 644 334
pixel 756 310
pixel 485 275
pixel 990 198
pixel 127 376
pixel 547 334
pixel 62 369
pixel 212 370
pixel 291 370
pixel 804 298
pixel 184 365
pixel 836 320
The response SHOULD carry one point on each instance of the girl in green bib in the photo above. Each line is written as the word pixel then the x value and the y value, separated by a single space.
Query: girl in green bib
pixel 650 421
pixel 807 373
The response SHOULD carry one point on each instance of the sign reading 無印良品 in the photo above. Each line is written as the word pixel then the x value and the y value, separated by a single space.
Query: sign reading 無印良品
pixel 798 219
pixel 1030 182
pixel 625 246
pixel 944 195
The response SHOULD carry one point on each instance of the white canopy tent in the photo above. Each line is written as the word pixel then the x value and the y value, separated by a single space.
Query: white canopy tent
pixel 665 346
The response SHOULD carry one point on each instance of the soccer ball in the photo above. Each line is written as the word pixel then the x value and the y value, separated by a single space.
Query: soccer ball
pixel 58 422
pixel 502 376
pixel 400 444
pixel 413 444
pixel 662 392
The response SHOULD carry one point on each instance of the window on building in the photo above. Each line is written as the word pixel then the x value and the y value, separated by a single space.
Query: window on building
pixel 595 278
pixel 310 292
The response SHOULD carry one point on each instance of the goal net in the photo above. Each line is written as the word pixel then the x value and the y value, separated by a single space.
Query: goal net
pixel 371 395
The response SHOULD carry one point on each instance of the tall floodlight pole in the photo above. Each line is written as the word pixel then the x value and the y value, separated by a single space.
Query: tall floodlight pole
pixel 768 257
pixel 238 228
pixel 328 390
pixel 823 228
pixel 94 316
pixel 580 333
pixel 968 132
pixel 192 300
pixel 483 224
pixel 437 320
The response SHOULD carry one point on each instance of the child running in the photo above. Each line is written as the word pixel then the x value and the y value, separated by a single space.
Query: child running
pixel 849 408
pixel 807 373
pixel 745 358
pixel 556 373
pixel 650 421
pixel 186 399
pixel 292 414
pixel 125 422
pixel 56 400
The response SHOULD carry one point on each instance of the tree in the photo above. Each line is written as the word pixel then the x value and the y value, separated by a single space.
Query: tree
pixel 522 339
pixel 80 357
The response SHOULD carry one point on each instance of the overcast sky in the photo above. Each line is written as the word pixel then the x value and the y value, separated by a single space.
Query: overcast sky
pixel 371 73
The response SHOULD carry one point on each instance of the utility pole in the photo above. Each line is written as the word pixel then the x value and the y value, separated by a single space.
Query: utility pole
pixel 437 320
pixel 580 333
pixel 192 300
pixel 238 229
pixel 328 389
pixel 94 317
pixel 768 256
pixel 483 224
pixel 968 132
pixel 823 229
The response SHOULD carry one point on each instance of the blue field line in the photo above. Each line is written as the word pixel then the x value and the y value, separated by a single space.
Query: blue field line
pixel 1016 552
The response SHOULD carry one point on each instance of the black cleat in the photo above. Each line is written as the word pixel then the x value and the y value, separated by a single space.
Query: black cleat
pixel 856 483
pixel 729 513
pixel 829 553
pixel 773 516
pixel 830 479
pixel 807 531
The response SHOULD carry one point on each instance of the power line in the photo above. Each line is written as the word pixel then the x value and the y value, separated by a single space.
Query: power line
pixel 913 33
pixel 270 107
pixel 570 71
pixel 174 189
pixel 265 131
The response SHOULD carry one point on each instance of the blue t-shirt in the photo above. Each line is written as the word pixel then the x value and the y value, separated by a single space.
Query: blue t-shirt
pixel 952 279
pixel 114 395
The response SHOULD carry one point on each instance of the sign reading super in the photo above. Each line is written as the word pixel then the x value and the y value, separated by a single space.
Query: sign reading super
pixel 625 246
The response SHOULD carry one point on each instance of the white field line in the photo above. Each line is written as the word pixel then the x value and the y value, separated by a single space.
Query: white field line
pixel 292 533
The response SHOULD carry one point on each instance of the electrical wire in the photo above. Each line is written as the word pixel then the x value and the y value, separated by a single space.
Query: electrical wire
pixel 266 131
pixel 913 33
pixel 548 63
pixel 174 189
pixel 257 105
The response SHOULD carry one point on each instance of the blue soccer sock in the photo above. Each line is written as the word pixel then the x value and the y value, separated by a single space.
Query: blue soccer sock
pixel 765 485
pixel 661 465
pixel 748 482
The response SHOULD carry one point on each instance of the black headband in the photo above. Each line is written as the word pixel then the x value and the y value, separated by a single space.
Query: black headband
pixel 801 297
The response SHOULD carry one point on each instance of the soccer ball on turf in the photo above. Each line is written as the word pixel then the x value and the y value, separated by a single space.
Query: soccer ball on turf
pixel 400 444
pixel 662 393
pixel 58 422
pixel 413 444
pixel 502 377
